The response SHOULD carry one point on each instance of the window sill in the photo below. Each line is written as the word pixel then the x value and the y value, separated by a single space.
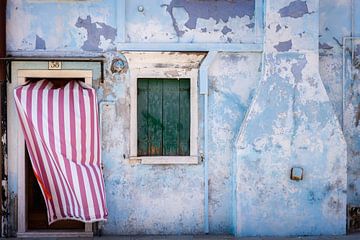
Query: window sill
pixel 162 160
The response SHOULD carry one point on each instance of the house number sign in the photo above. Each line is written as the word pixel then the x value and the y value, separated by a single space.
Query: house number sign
pixel 54 65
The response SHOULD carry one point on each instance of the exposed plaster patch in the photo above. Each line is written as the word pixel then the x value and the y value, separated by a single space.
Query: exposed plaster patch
pixel 94 32
pixel 283 46
pixel 40 43
pixel 143 33
pixel 295 9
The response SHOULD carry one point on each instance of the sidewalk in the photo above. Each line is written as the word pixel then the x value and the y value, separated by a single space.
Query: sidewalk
pixel 227 237
pixel 210 237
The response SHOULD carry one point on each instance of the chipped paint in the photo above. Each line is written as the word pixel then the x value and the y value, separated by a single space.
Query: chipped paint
pixel 217 10
pixel 95 30
pixel 283 46
pixel 344 93
pixel 40 43
pixel 295 9
pixel 225 30
pixel 290 123
pixel 185 21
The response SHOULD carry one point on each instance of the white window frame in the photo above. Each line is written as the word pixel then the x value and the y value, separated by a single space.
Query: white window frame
pixel 151 65
pixel 16 150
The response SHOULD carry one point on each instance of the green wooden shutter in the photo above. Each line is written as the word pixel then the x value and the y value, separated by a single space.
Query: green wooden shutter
pixel 163 117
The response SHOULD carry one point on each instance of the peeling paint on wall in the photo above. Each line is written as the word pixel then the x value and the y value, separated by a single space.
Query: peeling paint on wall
pixel 95 30
pixel 185 21
pixel 283 46
pixel 39 43
pixel 290 123
pixel 295 9
pixel 217 10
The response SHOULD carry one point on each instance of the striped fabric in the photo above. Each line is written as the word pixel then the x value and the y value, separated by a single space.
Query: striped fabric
pixel 62 136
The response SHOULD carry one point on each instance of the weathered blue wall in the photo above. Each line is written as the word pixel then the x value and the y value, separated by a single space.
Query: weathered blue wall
pixel 233 80
pixel 291 121
pixel 190 21
pixel 91 25
pixel 343 90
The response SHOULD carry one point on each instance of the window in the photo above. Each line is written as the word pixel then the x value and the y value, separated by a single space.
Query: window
pixel 163 107
pixel 163 117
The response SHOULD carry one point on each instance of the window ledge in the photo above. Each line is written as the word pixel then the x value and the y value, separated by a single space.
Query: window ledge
pixel 161 160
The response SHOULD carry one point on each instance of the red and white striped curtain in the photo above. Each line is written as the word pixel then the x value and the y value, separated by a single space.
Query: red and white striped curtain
pixel 61 131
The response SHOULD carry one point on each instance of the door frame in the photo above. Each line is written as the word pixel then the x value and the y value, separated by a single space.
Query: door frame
pixel 16 150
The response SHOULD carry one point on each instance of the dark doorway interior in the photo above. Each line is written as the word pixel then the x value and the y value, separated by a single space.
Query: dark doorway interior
pixel 36 208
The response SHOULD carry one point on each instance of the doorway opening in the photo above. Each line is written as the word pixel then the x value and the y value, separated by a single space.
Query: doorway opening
pixel 36 208
pixel 31 210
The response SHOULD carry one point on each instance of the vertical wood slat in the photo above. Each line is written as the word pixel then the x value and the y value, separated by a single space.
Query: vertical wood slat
pixel 154 117
pixel 184 118
pixel 142 115
pixel 171 122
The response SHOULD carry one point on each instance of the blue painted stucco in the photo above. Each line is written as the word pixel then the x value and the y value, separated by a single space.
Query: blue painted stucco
pixel 268 112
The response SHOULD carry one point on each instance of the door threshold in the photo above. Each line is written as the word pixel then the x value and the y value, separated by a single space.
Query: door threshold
pixel 54 233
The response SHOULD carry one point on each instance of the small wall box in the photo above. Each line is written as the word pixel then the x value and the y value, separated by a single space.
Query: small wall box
pixel 297 173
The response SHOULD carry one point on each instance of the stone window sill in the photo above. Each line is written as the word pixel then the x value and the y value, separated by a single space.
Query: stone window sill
pixel 164 160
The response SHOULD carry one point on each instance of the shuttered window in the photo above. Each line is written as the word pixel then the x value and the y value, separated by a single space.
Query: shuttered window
pixel 163 117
